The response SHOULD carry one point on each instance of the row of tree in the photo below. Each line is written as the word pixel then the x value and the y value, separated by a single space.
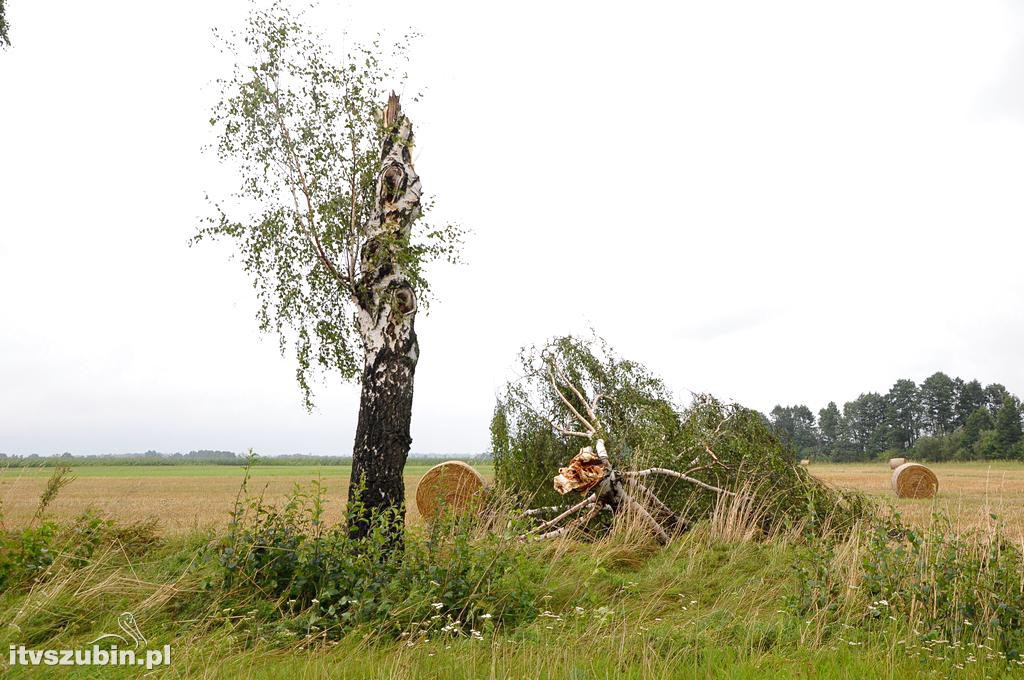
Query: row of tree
pixel 204 457
pixel 943 418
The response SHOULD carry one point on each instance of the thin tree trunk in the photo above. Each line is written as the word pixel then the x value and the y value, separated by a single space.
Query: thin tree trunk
pixel 387 312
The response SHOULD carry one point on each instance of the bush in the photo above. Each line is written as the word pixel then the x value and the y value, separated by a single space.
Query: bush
pixel 988 446
pixel 1018 451
pixel 450 579
pixel 26 554
pixel 938 449
pixel 34 553
pixel 959 588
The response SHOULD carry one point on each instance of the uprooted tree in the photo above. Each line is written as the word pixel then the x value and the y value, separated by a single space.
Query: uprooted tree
pixel 668 466
pixel 324 222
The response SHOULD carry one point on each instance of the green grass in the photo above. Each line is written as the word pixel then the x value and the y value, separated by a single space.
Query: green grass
pixel 702 607
pixel 708 605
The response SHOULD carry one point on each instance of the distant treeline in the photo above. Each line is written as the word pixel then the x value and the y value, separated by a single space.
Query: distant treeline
pixel 941 419
pixel 204 457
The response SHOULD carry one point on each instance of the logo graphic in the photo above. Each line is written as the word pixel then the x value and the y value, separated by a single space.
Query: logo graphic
pixel 126 622
pixel 119 649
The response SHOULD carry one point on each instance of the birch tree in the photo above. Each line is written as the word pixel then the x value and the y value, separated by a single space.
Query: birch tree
pixel 327 223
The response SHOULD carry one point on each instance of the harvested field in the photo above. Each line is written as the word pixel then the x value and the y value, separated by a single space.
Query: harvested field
pixel 183 498
pixel 968 492
pixel 190 497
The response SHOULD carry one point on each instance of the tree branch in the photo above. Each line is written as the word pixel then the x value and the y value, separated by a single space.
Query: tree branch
pixel 579 521
pixel 554 384
pixel 551 522
pixel 678 475
pixel 646 516
pixel 525 403
pixel 540 511
pixel 295 167
pixel 654 500
pixel 586 403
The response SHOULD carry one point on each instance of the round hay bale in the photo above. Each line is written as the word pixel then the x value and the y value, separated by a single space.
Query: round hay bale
pixel 451 485
pixel 913 480
pixel 805 462
pixel 896 462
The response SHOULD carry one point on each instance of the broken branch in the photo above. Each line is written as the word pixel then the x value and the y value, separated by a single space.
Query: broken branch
pixel 579 521
pixel 646 516
pixel 679 475
pixel 540 511
pixel 552 522
pixel 554 384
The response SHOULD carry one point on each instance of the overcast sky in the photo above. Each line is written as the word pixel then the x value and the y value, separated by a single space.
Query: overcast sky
pixel 784 202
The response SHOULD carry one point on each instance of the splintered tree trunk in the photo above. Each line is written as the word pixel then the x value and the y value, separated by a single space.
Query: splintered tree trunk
pixel 387 311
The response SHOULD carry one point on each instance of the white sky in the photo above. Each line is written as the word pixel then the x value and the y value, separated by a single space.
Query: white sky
pixel 775 202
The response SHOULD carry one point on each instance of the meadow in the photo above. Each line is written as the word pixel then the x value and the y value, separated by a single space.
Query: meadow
pixel 719 601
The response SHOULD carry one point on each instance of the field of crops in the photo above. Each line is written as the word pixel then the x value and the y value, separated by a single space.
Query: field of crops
pixel 184 498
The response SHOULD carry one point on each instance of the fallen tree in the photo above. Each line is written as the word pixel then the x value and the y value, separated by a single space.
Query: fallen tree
pixel 668 466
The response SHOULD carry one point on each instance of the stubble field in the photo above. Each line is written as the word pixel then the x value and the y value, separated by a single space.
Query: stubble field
pixel 181 498
pixel 185 498
pixel 969 493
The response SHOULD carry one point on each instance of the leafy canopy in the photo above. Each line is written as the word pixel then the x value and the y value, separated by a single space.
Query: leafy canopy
pixel 303 132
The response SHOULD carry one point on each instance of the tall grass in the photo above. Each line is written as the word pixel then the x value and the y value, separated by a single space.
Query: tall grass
pixel 963 589
pixel 721 600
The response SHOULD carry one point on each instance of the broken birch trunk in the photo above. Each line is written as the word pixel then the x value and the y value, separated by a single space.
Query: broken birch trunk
pixel 591 472
pixel 386 314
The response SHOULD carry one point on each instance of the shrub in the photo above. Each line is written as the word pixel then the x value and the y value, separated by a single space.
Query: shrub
pixel 33 554
pixel 988 446
pixel 953 587
pixel 450 579
pixel 26 554
pixel 939 448
pixel 960 585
